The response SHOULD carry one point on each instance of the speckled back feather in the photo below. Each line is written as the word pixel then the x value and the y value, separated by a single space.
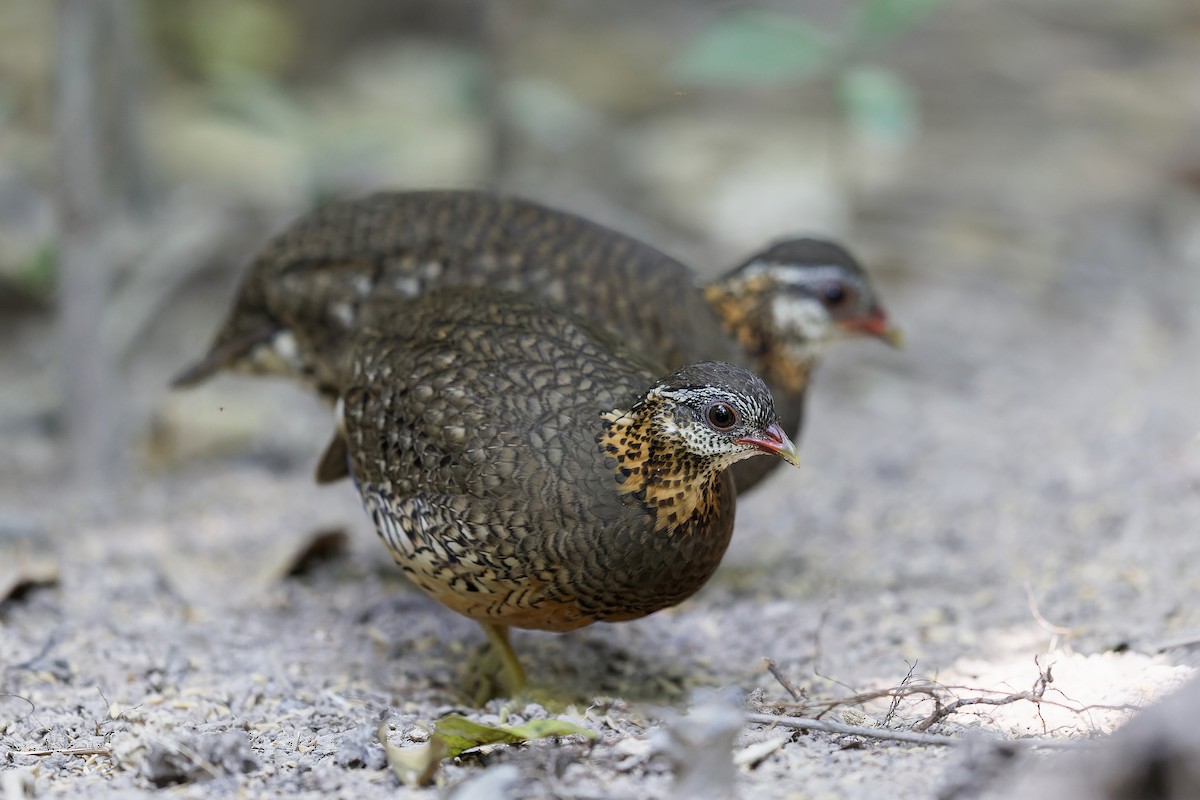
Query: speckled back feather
pixel 311 280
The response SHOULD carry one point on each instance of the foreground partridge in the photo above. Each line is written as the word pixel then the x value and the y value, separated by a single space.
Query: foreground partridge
pixel 774 313
pixel 527 469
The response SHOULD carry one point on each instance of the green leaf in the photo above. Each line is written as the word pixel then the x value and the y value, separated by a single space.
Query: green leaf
pixel 879 104
pixel 754 47
pixel 882 18
pixel 241 36
pixel 461 734
pixel 39 273
pixel 545 728
pixel 452 736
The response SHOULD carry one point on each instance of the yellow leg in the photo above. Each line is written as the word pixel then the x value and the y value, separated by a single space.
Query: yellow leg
pixel 512 675
pixel 497 672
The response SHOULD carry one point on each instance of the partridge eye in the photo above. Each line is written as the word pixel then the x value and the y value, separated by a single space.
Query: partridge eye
pixel 834 294
pixel 722 416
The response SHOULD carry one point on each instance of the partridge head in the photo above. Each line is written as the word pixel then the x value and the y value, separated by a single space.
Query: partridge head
pixel 786 303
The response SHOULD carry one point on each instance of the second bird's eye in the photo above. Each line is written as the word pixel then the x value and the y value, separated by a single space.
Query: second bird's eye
pixel 834 293
pixel 722 416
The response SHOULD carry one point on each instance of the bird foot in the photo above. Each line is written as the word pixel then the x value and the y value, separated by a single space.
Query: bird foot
pixel 496 671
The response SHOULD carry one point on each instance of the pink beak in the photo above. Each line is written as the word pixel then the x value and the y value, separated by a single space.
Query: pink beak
pixel 874 324
pixel 775 442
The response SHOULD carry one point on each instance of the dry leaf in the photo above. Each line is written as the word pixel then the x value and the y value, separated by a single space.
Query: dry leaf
pixel 452 736
pixel 322 545
pixel 19 578
pixel 414 766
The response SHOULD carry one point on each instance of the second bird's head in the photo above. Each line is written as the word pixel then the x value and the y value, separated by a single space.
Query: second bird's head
pixel 787 302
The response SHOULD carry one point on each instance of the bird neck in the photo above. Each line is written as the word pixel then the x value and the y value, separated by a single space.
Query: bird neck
pixel 743 306
pixel 680 488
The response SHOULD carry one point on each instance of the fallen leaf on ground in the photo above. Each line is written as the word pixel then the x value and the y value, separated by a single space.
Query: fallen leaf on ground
pixel 414 766
pixel 452 736
pixel 299 555
pixel 19 578
pixel 323 545
pixel 461 734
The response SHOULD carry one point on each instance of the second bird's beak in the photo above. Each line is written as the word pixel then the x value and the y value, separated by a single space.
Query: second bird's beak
pixel 775 442
pixel 875 324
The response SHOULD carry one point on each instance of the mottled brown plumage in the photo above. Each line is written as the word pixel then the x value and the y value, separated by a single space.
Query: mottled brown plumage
pixel 527 469
pixel 300 301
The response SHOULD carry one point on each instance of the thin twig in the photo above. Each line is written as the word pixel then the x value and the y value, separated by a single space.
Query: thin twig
pixel 1188 640
pixel 899 694
pixel 32 707
pixel 196 759
pixel 936 692
pixel 66 751
pixel 774 669
pixel 1045 624
pixel 185 238
pixel 940 712
pixel 931 691
pixel 808 724
pixel 51 641
pixel 803 723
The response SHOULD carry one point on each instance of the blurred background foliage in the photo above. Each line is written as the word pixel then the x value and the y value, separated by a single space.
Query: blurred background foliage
pixel 279 104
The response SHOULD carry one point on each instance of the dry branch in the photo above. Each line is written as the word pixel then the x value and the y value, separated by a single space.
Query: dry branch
pixel 910 687
pixel 1034 695
pixel 887 734
pixel 66 751
pixel 784 681
pixel 84 269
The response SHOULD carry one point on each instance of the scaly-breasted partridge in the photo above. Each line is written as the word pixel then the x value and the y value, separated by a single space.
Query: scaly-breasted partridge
pixel 775 313
pixel 528 469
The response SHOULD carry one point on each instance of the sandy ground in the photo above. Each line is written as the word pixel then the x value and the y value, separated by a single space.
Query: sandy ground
pixel 1035 446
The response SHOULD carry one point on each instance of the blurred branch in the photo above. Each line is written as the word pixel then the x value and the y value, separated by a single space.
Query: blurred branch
pixel 83 268
pixel 187 237
pixel 94 118
pixel 126 89
pixel 494 33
